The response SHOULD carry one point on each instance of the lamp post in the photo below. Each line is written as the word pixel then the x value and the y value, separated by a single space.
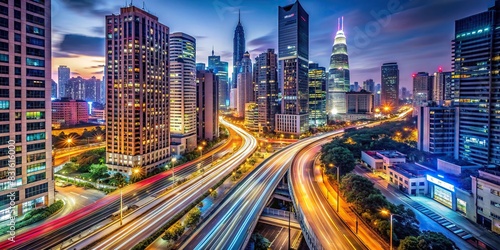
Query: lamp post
pixel 173 169
pixel 338 185
pixel 387 212
pixel 121 206
pixel 201 151
pixel 68 141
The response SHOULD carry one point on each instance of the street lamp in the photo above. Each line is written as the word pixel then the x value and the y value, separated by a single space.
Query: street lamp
pixel 338 185
pixel 387 212
pixel 201 151
pixel 121 205
pixel 173 168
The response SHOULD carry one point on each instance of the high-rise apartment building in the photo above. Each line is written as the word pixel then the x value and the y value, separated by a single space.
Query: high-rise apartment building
pixel 476 81
pixel 436 130
pixel 182 92
pixel 422 90
pixel 238 50
pixel 63 75
pixel 390 85
pixel 220 68
pixel 53 93
pixel 137 78
pixel 359 105
pixel 245 89
pixel 201 66
pixel 339 75
pixel 69 112
pixel 207 103
pixel 267 89
pixel 27 117
pixel 293 59
pixel 369 85
pixel 317 95
pixel 440 83
pixel 378 95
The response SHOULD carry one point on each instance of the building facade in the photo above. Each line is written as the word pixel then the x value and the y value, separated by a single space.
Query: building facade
pixel 238 50
pixel 486 190
pixel 369 85
pixel 70 112
pixel 359 105
pixel 245 89
pixel 389 93
pixel 266 75
pixel 220 69
pixel 293 60
pixel 207 103
pixel 317 95
pixel 476 82
pixel 441 83
pixel 63 75
pixel 183 92
pixel 436 130
pixel 252 117
pixel 25 106
pixel 338 74
pixel 422 90
pixel 137 104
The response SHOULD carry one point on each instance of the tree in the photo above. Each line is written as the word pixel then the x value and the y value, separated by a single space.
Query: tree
pixel 174 232
pixel 98 171
pixel 118 180
pixel 193 217
pixel 260 242
pixel 340 157
pixel 374 203
pixel 404 225
pixel 214 194
pixel 427 240
pixel 356 189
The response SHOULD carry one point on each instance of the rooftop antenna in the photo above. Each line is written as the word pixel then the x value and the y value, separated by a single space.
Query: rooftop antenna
pixel 143 5
pixel 131 3
pixel 342 23
pixel 212 50
pixel 239 16
pixel 338 23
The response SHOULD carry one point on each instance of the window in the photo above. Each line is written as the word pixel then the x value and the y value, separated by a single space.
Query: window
pixel 4 117
pixel 18 127
pixel 36 157
pixel 36 167
pixel 35 104
pixel 35 115
pixel 495 192
pixel 4 104
pixel 17 60
pixel 35 72
pixel 4 22
pixel 35 178
pixel 4 46
pixel 17 93
pixel 17 71
pixel 4 93
pixel 34 52
pixel 17 3
pixel 421 183
pixel 35 41
pixel 35 62
pixel 35 30
pixel 35 83
pixel 35 126
pixel 36 190
pixel 35 9
pixel 17 82
pixel 18 116
pixel 18 105
pixel 4 128
pixel 17 14
pixel 17 48
pixel 17 26
pixel 17 37
pixel 4 199
pixel 4 58
pixel 35 93
pixel 35 137
pixel 4 10
pixel 35 19
pixel 480 197
pixel 4 81
pixel 4 34
pixel 4 69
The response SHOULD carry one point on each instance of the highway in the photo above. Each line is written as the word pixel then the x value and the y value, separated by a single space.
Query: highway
pixel 320 217
pixel 155 216
pixel 56 231
pixel 231 224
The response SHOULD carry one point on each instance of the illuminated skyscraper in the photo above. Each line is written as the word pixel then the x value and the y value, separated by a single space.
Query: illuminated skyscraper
pixel 220 69
pixel 245 89
pixel 390 85
pixel 338 77
pixel 238 50
pixel 293 59
pixel 63 75
pixel 317 95
pixel 182 92
pixel 422 90
pixel 137 102
pixel 267 89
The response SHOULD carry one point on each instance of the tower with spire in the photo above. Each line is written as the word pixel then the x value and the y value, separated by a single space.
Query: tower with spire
pixel 238 49
pixel 339 77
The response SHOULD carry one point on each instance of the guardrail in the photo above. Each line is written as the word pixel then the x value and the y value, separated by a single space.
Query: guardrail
pixel 278 212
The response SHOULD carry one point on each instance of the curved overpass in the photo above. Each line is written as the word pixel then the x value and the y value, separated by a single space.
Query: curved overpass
pixel 56 231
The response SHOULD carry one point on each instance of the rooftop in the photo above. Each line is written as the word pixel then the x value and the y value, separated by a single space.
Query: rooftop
pixel 452 160
pixel 391 154
pixel 409 170
pixel 373 154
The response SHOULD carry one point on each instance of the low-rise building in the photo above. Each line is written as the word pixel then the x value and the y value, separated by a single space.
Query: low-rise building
pixel 386 157
pixel 436 130
pixel 409 177
pixel 486 191
pixel 69 112
pixel 455 167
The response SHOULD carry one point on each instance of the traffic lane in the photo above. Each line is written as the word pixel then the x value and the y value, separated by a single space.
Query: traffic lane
pixel 426 223
pixel 321 216
pixel 78 197
pixel 277 235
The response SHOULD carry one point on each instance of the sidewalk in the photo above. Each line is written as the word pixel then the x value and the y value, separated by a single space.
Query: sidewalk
pixel 97 185
pixel 369 237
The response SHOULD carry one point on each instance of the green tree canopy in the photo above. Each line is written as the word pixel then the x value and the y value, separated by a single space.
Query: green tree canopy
pixel 340 157
pixel 427 240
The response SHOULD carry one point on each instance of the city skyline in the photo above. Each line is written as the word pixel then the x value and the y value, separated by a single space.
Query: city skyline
pixel 83 51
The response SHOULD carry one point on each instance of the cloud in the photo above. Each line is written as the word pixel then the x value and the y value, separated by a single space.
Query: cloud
pixel 89 7
pixel 267 40
pixel 96 67
pixel 98 30
pixel 82 45
pixel 63 54
pixel 98 72
pixel 75 73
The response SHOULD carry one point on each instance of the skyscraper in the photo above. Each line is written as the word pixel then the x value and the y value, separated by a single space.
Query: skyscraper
pixel 27 178
pixel 245 89
pixel 53 93
pixel 238 49
pixel 422 90
pixel 267 89
pixel 317 95
pixel 378 95
pixel 369 85
pixel 137 116
pixel 63 75
pixel 293 56
pixel 441 86
pixel 207 103
pixel 390 85
pixel 182 92
pixel 477 81
pixel 200 66
pixel 220 68
pixel 339 76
